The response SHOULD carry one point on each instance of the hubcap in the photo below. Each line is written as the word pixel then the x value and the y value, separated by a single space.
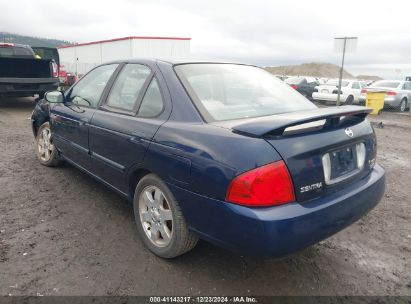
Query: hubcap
pixel 156 216
pixel 45 147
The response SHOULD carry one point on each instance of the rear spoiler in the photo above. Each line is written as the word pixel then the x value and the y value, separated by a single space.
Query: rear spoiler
pixel 275 125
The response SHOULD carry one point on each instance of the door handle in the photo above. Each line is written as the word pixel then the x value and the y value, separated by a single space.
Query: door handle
pixel 83 121
pixel 137 137
pixel 136 140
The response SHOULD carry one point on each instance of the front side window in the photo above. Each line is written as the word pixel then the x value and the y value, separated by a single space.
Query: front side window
pixel 87 92
pixel 128 86
pixel 230 91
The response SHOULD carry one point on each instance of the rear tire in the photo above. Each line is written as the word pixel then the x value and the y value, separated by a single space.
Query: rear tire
pixel 160 222
pixel 349 100
pixel 46 152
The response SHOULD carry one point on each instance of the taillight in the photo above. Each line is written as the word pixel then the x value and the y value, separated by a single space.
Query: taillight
pixel 364 91
pixel 6 44
pixel 268 185
pixel 294 86
pixel 391 93
pixel 55 70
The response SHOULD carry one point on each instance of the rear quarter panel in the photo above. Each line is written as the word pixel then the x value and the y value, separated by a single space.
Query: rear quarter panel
pixel 203 158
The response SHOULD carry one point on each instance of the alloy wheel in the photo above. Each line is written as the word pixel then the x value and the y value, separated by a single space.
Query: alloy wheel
pixel 156 216
pixel 44 144
pixel 403 105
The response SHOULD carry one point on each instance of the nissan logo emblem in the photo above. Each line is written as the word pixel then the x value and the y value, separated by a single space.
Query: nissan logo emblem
pixel 349 132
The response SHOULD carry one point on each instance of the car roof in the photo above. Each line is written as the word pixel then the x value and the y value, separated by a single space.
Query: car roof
pixel 16 45
pixel 175 61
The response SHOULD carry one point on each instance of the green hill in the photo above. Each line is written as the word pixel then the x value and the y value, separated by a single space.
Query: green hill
pixel 32 41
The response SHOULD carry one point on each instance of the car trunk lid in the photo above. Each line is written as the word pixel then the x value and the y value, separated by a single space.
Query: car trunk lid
pixel 304 138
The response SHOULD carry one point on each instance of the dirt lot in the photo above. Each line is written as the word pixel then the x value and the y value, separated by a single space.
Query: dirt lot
pixel 62 233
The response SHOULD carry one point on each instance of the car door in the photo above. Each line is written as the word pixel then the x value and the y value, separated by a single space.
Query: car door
pixel 122 128
pixel 70 120
pixel 407 91
pixel 356 90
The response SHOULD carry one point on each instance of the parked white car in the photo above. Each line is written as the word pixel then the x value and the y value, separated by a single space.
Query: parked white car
pixel 350 91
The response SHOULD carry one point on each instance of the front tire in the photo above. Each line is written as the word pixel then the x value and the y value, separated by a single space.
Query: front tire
pixel 46 152
pixel 403 105
pixel 160 222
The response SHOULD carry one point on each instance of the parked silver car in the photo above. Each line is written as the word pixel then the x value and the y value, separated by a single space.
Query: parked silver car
pixel 398 93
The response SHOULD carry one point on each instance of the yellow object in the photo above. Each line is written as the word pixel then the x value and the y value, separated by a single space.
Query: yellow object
pixel 375 101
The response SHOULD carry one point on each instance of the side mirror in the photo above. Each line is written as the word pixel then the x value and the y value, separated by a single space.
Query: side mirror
pixel 54 97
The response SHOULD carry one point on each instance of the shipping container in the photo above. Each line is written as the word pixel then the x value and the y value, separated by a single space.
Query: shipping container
pixel 80 58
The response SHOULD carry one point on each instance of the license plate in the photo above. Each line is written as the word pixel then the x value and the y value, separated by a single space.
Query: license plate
pixel 343 163
pixel 324 91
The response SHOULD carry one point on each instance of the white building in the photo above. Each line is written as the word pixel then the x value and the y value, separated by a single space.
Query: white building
pixel 80 58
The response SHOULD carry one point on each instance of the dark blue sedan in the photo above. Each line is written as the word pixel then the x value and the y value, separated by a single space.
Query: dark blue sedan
pixel 212 150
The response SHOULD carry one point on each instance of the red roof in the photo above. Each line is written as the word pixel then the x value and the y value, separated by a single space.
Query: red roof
pixel 123 38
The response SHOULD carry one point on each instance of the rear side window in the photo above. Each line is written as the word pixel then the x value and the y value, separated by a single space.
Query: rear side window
pixel 127 88
pixel 152 104
pixel 88 90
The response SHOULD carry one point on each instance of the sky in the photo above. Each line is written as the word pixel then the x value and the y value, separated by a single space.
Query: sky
pixel 265 33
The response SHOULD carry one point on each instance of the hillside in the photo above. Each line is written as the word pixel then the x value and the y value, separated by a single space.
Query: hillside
pixel 32 41
pixel 369 77
pixel 327 70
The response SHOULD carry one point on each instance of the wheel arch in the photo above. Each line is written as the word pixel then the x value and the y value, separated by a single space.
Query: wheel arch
pixel 40 115
pixel 134 177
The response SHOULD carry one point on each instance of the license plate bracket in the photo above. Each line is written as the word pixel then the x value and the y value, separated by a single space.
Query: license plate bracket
pixel 341 164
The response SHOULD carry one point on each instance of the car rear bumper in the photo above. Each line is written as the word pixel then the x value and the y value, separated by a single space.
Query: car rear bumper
pixel 282 230
pixel 389 101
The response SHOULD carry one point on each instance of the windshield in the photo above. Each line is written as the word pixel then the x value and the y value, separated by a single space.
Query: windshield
pixel 294 80
pixel 386 84
pixel 15 52
pixel 334 82
pixel 230 91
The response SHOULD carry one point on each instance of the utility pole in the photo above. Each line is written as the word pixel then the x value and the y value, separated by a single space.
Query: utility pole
pixel 344 48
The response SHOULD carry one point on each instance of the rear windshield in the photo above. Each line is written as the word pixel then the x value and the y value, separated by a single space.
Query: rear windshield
pixel 230 91
pixel 15 52
pixel 386 84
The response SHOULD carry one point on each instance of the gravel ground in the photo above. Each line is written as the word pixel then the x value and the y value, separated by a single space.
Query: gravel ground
pixel 62 233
